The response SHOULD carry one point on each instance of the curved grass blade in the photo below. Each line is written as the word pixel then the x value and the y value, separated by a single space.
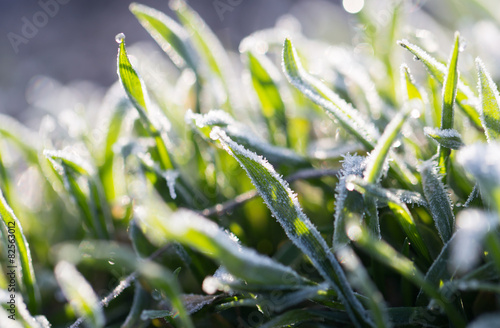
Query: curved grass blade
pixel 152 274
pixel 384 253
pixel 464 96
pixel 448 138
pixel 139 304
pixel 88 200
pixel 359 277
pixel 209 47
pixel 137 94
pixel 190 229
pixel 14 236
pixel 25 139
pixel 449 94
pixel 21 316
pixel 348 204
pixel 439 201
pixel 264 81
pixel 284 205
pixel 79 293
pixel 403 215
pixel 350 119
pixel 489 100
pixel 377 160
pixel 171 36
pixel 244 136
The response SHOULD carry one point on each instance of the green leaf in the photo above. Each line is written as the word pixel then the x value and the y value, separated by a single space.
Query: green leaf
pixel 464 97
pixel 377 159
pixel 384 253
pixel 284 205
pixel 244 136
pixel 359 277
pixel 265 83
pixel 490 100
pixel 449 94
pixel 439 201
pixel 15 239
pixel 209 48
pixel 190 229
pixel 171 36
pixel 79 293
pixel 137 94
pixel 448 138
pixel 88 196
pixel 403 215
pixel 349 118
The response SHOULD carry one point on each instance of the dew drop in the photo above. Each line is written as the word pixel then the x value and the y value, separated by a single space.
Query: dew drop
pixel 415 113
pixel 350 186
pixel 415 58
pixel 119 38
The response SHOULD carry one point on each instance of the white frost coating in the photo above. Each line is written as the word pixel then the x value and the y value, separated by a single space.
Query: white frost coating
pixel 492 87
pixel 171 176
pixel 286 209
pixel 449 138
pixel 466 247
pixel 78 291
pixel 326 98
pixel 482 160
pixel 13 127
pixel 213 117
pixel 220 281
pixel 22 311
pixel 53 155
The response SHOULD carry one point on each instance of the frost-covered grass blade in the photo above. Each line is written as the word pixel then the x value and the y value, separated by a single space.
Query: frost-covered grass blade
pixel 448 138
pixel 284 205
pixel 489 102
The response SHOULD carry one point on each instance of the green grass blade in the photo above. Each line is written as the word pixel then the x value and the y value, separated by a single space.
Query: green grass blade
pixel 449 95
pixel 264 80
pixel 448 138
pixel 439 201
pixel 464 97
pixel 137 94
pixel 384 253
pixel 209 47
pixel 360 278
pixel 403 215
pixel 350 119
pixel 171 36
pixel 377 160
pixel 409 86
pixel 348 203
pixel 79 293
pixel 292 318
pixel 490 102
pixel 284 205
pixel 25 139
pixel 139 304
pixel 190 229
pixel 15 236
pixel 244 136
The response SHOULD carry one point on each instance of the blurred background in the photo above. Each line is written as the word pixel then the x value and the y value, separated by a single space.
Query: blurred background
pixel 73 40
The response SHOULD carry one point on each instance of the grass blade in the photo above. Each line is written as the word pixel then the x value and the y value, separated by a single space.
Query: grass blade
pixel 190 229
pixel 439 201
pixel 403 215
pixel 464 97
pixel 489 100
pixel 14 234
pixel 384 253
pixel 448 138
pixel 137 94
pixel 284 205
pixel 449 95
pixel 350 119
pixel 264 81
pixel 171 36
pixel 79 293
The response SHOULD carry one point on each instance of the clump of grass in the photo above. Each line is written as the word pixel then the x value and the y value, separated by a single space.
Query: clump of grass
pixel 191 203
